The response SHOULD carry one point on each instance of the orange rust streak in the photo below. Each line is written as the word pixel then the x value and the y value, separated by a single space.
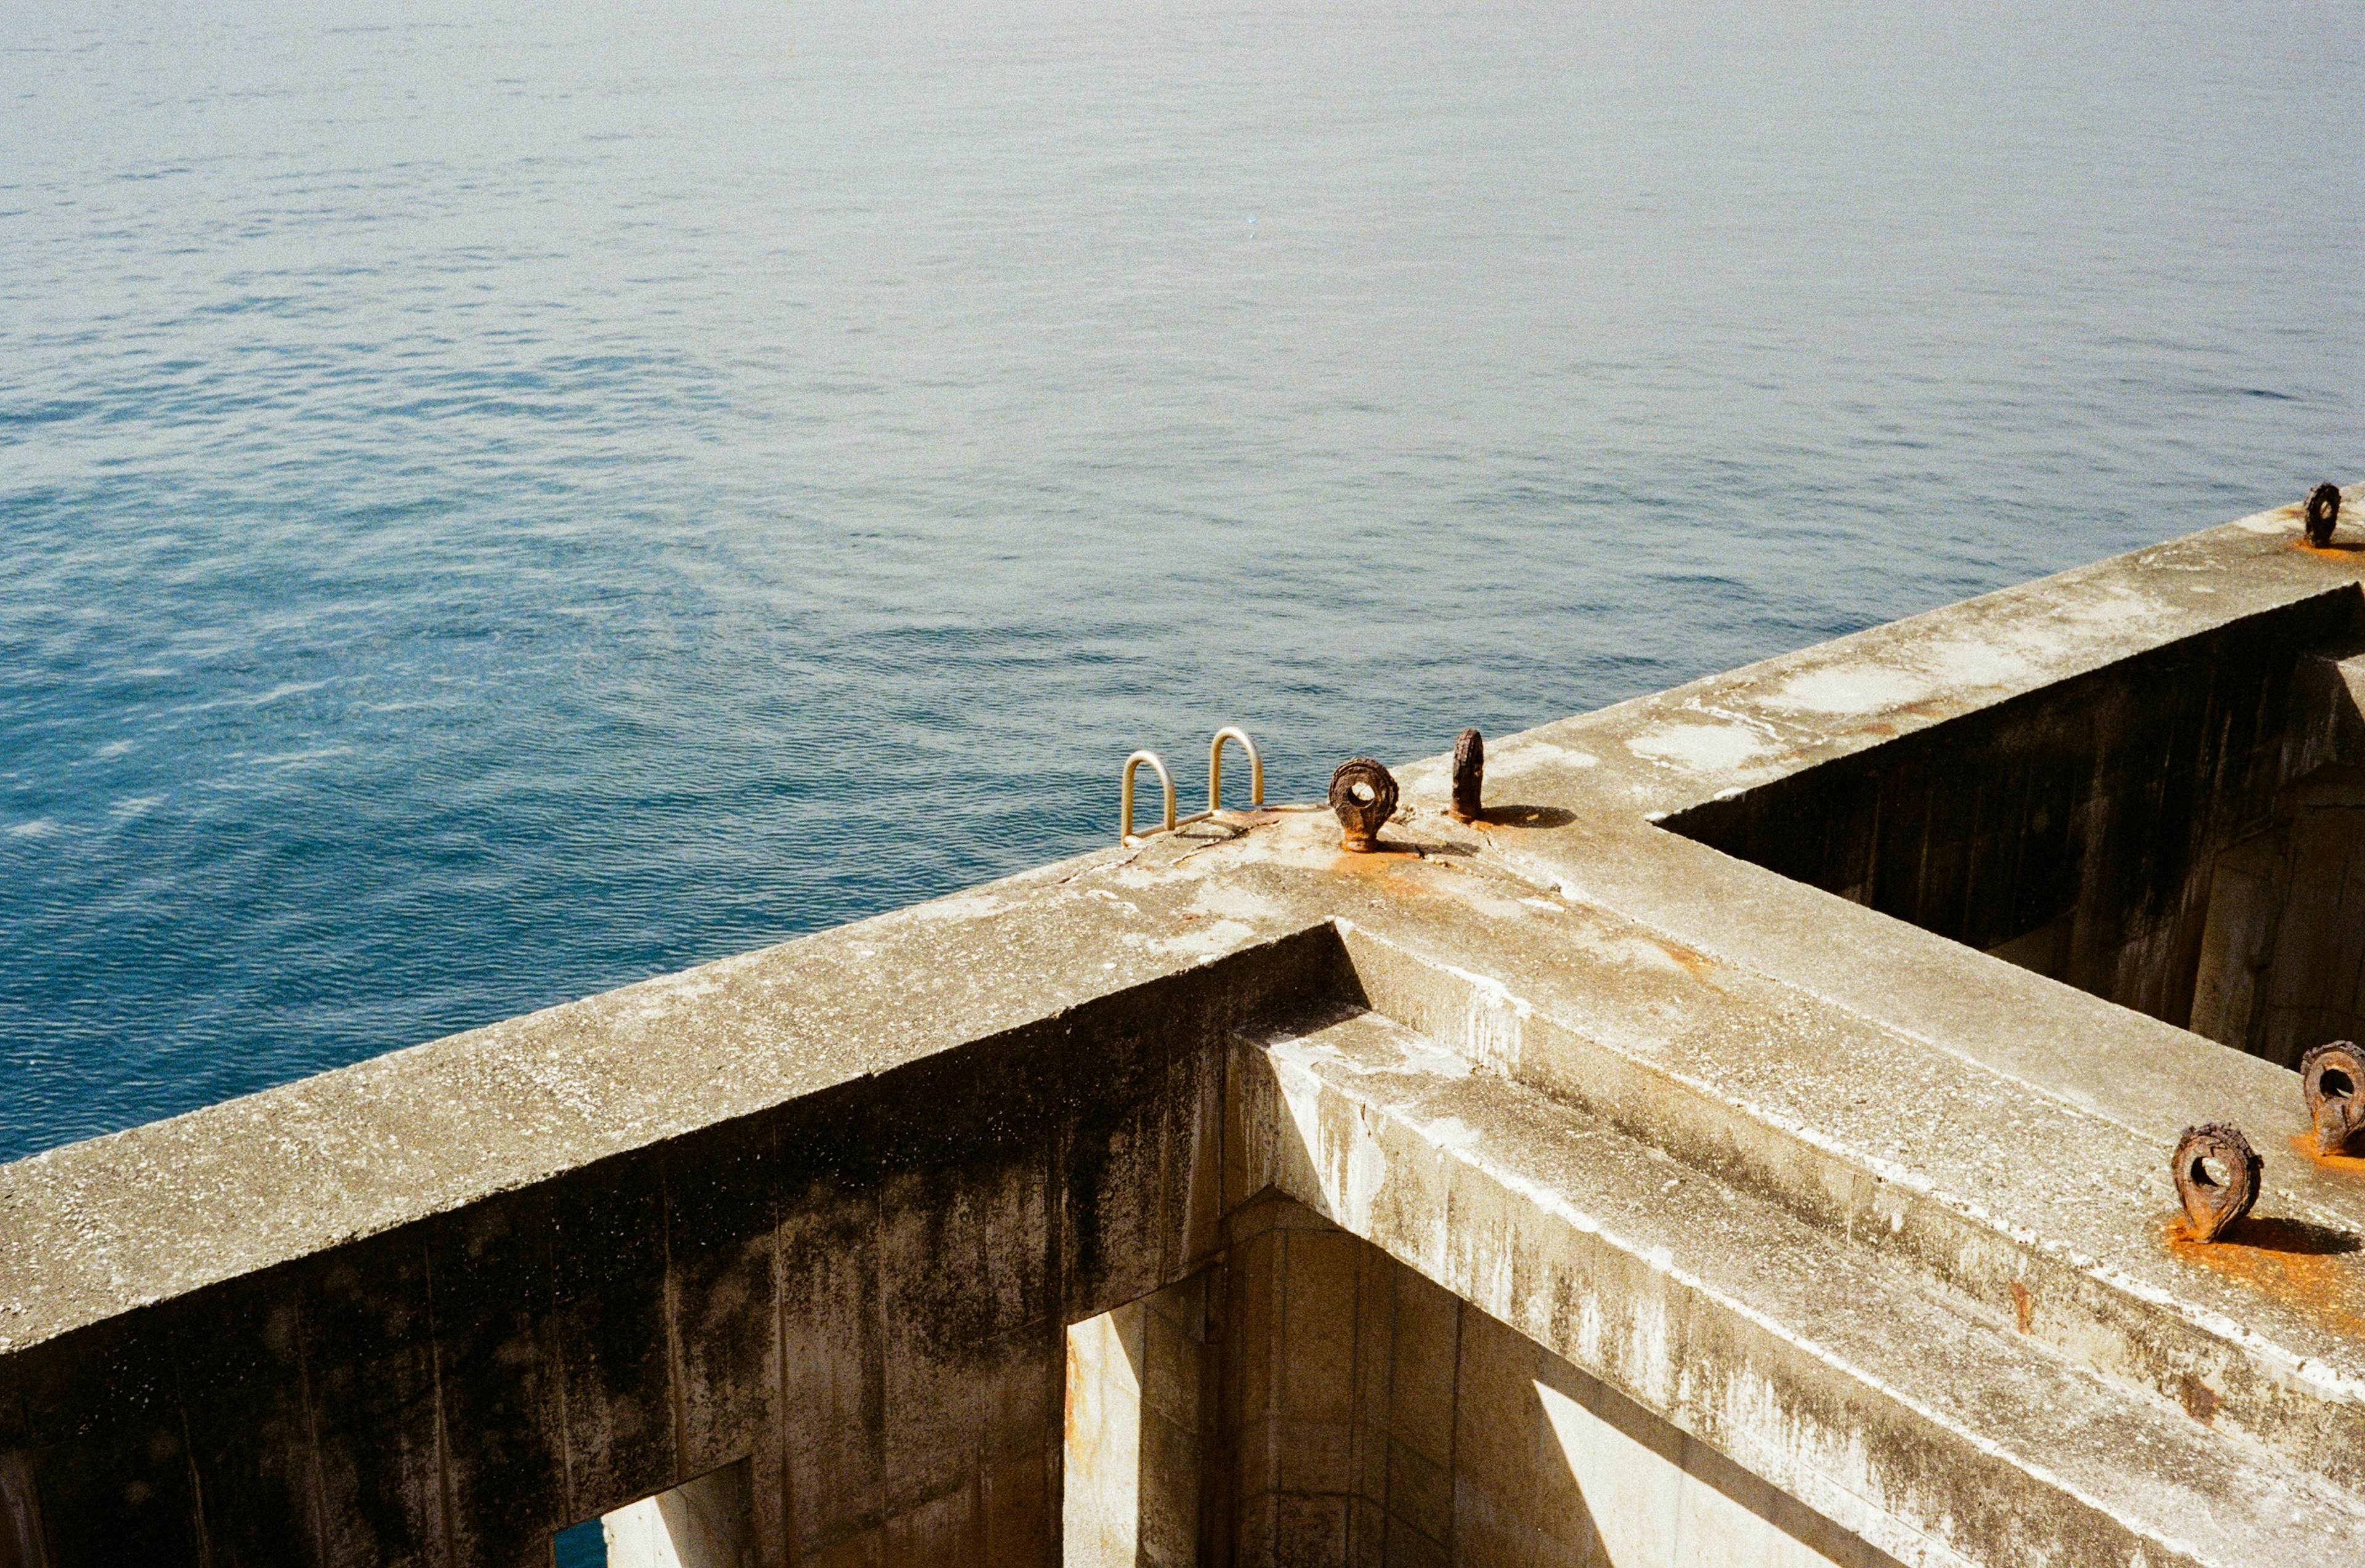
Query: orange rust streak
pixel 1074 1383
pixel 1391 868
pixel 1696 963
pixel 2348 1164
pixel 1373 862
pixel 2313 1271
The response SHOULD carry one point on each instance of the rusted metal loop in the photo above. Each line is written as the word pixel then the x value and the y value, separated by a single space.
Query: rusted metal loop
pixel 1165 779
pixel 1363 793
pixel 1469 776
pixel 2332 1076
pixel 2217 1178
pixel 2323 511
pixel 1215 768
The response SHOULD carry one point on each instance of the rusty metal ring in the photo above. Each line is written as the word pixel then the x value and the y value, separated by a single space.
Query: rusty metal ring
pixel 1469 776
pixel 2214 1198
pixel 2332 1076
pixel 1363 793
pixel 2323 511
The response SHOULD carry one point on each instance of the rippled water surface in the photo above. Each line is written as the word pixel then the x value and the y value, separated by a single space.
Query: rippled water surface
pixel 503 501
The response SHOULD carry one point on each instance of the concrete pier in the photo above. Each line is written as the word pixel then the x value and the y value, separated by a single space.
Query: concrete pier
pixel 1747 1143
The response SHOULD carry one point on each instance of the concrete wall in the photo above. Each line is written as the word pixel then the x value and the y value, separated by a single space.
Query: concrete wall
pixel 994 1307
pixel 1305 1401
pixel 863 1296
pixel 2283 950
pixel 2073 829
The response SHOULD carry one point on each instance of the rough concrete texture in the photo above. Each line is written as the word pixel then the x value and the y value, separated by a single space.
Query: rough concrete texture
pixel 1685 1066
pixel 1854 1387
pixel 2282 943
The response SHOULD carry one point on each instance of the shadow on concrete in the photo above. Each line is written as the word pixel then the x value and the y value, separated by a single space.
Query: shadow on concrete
pixel 1527 816
pixel 1654 1497
pixel 2298 1236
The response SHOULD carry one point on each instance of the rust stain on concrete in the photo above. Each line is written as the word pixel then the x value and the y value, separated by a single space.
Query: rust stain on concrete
pixel 2314 1270
pixel 2348 1164
pixel 1696 963
pixel 1394 868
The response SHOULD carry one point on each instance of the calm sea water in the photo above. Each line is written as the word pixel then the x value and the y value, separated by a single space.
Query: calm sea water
pixel 502 501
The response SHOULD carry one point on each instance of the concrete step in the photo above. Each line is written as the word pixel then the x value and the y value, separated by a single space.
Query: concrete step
pixel 1898 1407
pixel 2050 1218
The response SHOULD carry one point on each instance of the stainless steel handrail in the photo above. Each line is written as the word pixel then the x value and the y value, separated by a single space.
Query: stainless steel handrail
pixel 1216 769
pixel 1124 826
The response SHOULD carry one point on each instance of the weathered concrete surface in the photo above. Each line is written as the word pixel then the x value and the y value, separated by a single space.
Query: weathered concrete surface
pixel 1882 1402
pixel 830 1208
pixel 2076 822
pixel 2282 943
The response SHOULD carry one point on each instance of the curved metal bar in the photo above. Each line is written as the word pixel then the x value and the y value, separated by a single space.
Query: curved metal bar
pixel 1215 768
pixel 1165 778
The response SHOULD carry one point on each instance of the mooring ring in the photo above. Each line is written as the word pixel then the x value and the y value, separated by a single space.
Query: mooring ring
pixel 2322 513
pixel 2332 1076
pixel 1469 776
pixel 1363 794
pixel 2217 1177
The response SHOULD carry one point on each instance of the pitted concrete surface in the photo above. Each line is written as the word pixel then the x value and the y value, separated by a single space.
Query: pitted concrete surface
pixel 1840 1147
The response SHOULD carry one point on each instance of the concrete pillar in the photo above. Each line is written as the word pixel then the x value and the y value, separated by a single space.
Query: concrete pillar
pixel 1101 1513
pixel 705 1523
pixel 1135 1433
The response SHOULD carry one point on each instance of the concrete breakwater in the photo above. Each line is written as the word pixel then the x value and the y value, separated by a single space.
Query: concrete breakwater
pixel 1747 1141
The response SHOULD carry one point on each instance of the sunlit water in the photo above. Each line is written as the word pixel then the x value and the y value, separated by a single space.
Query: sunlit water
pixel 502 501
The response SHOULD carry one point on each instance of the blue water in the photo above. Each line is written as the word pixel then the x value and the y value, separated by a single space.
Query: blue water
pixel 580 1546
pixel 499 501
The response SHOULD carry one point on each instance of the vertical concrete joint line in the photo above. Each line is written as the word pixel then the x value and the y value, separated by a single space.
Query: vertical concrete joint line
pixel 312 1439
pixel 189 1457
pixel 875 1283
pixel 552 1348
pixel 442 1438
pixel 1387 1417
pixel 669 1303
pixel 1055 1290
pixel 1462 1310
pixel 776 1218
pixel 1356 1411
